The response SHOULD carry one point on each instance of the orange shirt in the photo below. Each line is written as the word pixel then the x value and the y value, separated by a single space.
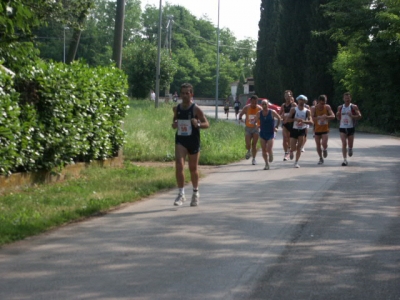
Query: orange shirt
pixel 320 125
pixel 251 115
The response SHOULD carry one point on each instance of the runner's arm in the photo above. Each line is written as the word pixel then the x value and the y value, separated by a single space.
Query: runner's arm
pixel 175 118
pixel 308 118
pixel 290 117
pixel 257 118
pixel 331 115
pixel 244 110
pixel 313 115
pixel 278 117
pixel 338 113
pixel 201 121
pixel 357 116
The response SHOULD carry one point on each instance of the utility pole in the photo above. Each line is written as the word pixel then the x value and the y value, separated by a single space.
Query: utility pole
pixel 171 21
pixel 118 40
pixel 119 32
pixel 158 55
pixel 65 27
pixel 217 77
pixel 168 36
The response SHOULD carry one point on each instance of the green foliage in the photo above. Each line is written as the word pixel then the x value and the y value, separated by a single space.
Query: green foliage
pixel 240 88
pixel 9 123
pixel 290 56
pixel 368 62
pixel 139 64
pixel 190 35
pixel 19 18
pixel 61 114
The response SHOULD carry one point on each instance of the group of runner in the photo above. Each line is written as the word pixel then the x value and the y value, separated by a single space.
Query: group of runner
pixel 261 121
pixel 296 118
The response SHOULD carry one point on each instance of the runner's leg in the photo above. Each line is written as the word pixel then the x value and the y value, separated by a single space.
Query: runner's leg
pixel 324 141
pixel 254 145
pixel 264 149
pixel 180 154
pixel 193 161
pixel 343 137
pixel 350 140
pixel 300 143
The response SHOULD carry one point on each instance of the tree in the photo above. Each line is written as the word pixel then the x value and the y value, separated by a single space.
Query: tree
pixel 139 64
pixel 290 55
pixel 368 62
pixel 96 33
pixel 268 70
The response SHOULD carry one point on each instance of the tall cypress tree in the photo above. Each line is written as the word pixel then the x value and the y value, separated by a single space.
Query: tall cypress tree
pixel 289 55
pixel 319 55
pixel 267 74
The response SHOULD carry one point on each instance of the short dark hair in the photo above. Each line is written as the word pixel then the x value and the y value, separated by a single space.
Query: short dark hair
pixel 288 91
pixel 322 97
pixel 187 86
pixel 347 94
pixel 254 97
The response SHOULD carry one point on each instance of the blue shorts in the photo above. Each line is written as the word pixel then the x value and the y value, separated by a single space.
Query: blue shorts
pixel 267 135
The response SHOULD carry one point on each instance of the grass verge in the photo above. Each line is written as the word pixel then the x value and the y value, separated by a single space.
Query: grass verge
pixel 97 190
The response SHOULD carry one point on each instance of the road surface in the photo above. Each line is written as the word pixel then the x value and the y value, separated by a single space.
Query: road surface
pixel 317 232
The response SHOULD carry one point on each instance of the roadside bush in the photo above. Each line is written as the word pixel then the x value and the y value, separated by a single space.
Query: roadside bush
pixel 57 114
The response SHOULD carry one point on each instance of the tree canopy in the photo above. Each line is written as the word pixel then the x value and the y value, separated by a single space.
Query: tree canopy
pixel 84 30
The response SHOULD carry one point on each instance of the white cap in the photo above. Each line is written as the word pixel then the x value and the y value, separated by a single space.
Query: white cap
pixel 301 97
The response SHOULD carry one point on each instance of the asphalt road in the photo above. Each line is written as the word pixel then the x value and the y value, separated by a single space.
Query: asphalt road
pixel 317 232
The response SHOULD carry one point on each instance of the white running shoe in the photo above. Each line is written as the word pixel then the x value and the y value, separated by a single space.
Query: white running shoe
pixel 303 150
pixel 296 165
pixel 266 166
pixel 179 200
pixel 253 162
pixel 195 199
pixel 344 163
pixel 286 156
pixel 248 154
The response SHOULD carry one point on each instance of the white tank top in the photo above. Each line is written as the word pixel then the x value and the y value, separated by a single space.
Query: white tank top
pixel 346 121
pixel 300 114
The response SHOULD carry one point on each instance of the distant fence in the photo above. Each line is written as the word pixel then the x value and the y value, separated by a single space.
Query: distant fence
pixel 210 101
pixel 202 101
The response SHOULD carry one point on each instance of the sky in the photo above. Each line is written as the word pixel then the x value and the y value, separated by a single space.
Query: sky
pixel 240 17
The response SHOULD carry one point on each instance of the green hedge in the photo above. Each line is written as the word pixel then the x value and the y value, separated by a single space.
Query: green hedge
pixel 53 114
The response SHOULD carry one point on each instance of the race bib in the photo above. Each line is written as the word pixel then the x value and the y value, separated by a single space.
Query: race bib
pixel 252 119
pixel 346 120
pixel 322 122
pixel 184 127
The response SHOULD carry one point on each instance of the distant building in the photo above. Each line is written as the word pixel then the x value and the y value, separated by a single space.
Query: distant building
pixel 234 87
pixel 249 86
